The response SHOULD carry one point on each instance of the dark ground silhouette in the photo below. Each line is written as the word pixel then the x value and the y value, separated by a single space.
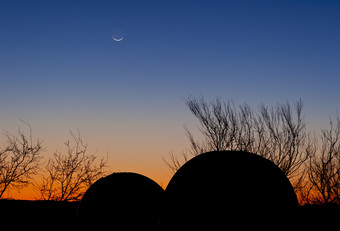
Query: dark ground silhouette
pixel 218 189
pixel 38 215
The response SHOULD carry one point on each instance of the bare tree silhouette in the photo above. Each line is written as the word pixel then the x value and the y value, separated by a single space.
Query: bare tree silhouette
pixel 69 175
pixel 19 160
pixel 276 133
pixel 324 169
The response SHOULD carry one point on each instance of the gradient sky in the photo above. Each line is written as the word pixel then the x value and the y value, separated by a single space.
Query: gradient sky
pixel 61 70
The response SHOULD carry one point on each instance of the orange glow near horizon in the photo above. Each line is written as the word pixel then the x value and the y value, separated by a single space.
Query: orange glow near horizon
pixel 26 193
pixel 31 192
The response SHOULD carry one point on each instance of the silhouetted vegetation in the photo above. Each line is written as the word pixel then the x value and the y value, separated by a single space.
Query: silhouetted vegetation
pixel 19 160
pixel 323 186
pixel 278 133
pixel 310 160
pixel 65 177
pixel 204 191
pixel 69 175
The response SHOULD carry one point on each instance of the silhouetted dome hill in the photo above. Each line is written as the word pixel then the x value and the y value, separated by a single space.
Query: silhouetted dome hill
pixel 217 184
pixel 123 199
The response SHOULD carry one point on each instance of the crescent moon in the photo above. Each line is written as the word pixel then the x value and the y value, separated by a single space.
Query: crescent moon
pixel 117 39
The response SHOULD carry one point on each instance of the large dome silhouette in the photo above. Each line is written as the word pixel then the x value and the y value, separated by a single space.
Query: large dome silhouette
pixel 217 184
pixel 123 200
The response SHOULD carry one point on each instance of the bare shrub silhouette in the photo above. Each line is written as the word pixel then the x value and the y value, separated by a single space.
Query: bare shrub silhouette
pixel 69 175
pixel 324 169
pixel 277 133
pixel 19 160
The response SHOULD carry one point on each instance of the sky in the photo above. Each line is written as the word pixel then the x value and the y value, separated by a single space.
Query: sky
pixel 60 69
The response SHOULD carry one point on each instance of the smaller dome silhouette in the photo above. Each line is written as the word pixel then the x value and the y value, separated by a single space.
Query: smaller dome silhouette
pixel 123 199
pixel 215 186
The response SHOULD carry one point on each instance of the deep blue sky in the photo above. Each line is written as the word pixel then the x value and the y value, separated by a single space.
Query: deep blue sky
pixel 60 68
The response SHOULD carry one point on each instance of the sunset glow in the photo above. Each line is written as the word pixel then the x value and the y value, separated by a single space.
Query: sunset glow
pixel 63 69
